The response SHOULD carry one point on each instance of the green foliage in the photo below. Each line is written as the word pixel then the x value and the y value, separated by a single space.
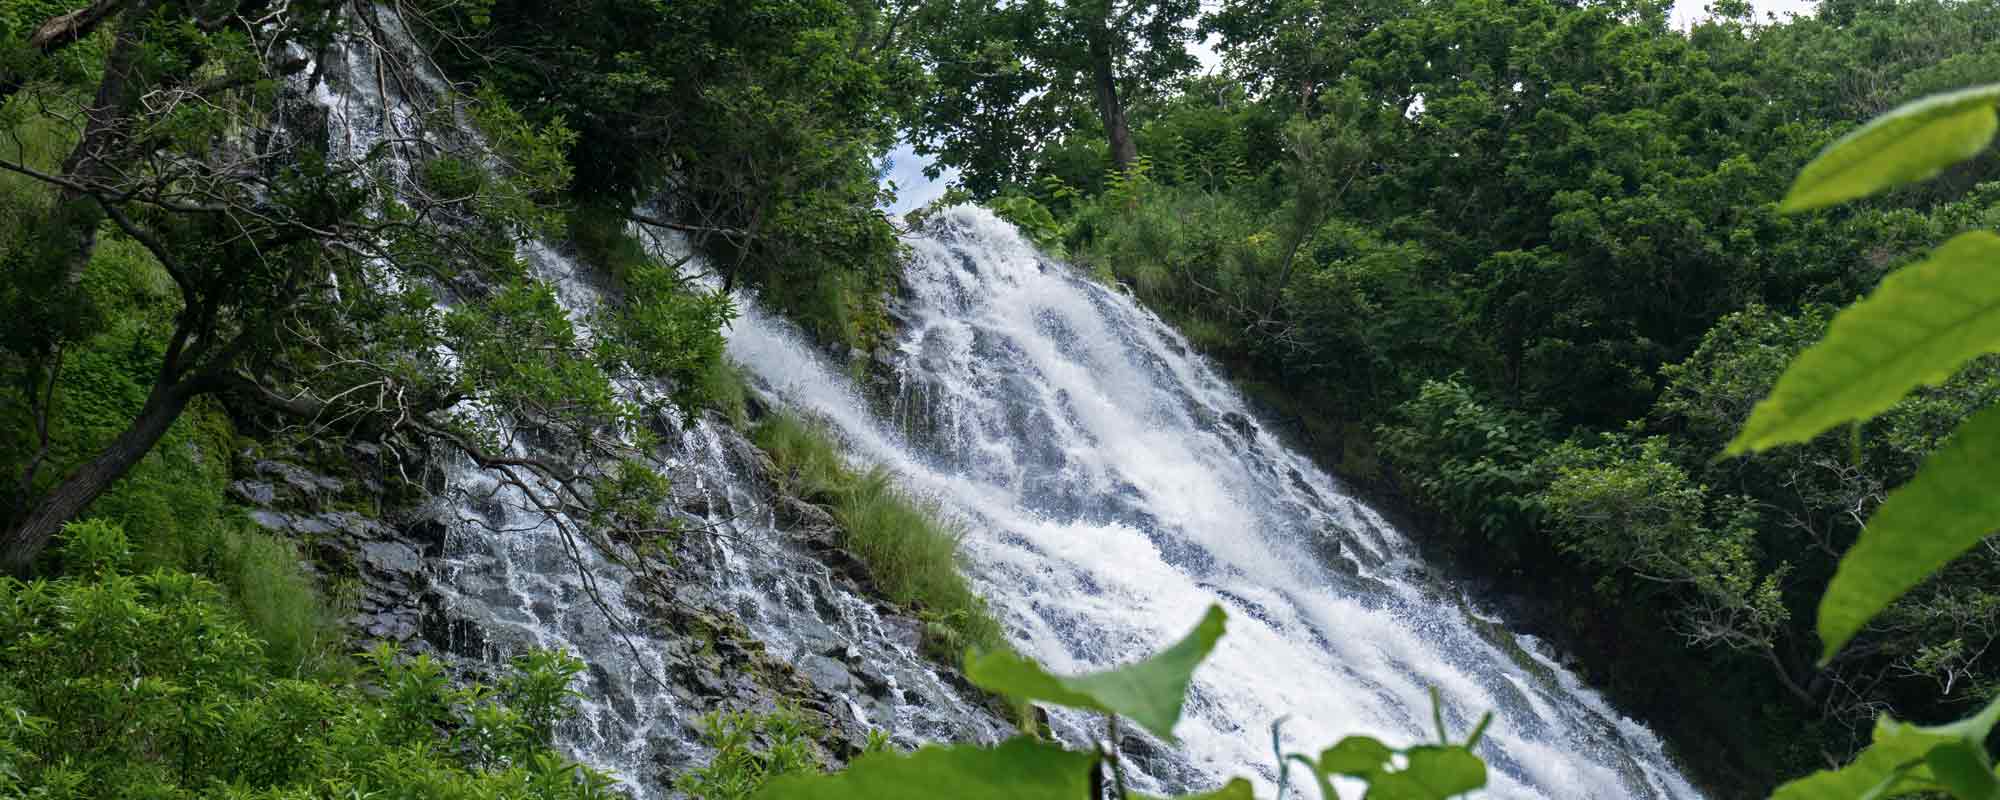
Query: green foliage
pixel 666 325
pixel 1909 144
pixel 1923 525
pixel 1150 692
pixel 911 550
pixel 761 139
pixel 1467 455
pixel 750 750
pixel 1907 759
pixel 1941 512
pixel 279 603
pixel 1632 512
pixel 1879 349
pixel 1033 219
pixel 727 391
pixel 1429 772
pixel 121 685
pixel 1019 769
pixel 1496 259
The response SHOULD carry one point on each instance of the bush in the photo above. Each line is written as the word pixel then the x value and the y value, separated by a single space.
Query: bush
pixel 906 543
pixel 121 685
pixel 750 750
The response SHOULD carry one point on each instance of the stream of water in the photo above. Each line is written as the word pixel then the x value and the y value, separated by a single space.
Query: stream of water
pixel 1111 485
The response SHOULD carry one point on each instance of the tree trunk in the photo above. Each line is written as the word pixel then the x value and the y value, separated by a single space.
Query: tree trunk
pixel 105 132
pixel 20 545
pixel 1105 77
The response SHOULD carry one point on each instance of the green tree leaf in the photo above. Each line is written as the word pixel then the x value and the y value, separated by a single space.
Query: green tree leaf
pixel 1430 772
pixel 1445 771
pixel 1150 692
pixel 1896 763
pixel 1945 510
pixel 1913 142
pixel 1916 329
pixel 1964 768
pixel 1358 756
pixel 1019 769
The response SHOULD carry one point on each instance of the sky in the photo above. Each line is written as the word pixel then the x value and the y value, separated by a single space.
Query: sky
pixel 913 190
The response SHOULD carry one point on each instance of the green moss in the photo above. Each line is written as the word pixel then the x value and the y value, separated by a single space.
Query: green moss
pixel 909 546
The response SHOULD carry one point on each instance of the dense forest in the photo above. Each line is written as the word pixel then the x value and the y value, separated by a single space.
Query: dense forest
pixel 1517 267
pixel 1522 263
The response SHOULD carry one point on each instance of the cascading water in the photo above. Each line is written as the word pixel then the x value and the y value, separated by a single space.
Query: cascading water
pixel 507 577
pixel 1113 485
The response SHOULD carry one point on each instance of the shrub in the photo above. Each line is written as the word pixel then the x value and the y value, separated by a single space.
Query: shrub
pixel 114 684
pixel 750 750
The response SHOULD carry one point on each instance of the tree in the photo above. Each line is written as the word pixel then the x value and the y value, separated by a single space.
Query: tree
pixel 1014 77
pixel 756 141
pixel 374 291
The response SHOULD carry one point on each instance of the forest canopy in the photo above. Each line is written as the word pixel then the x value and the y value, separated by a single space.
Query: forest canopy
pixel 1522 266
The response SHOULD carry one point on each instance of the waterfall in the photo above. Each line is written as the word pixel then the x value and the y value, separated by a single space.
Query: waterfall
pixel 506 577
pixel 1114 484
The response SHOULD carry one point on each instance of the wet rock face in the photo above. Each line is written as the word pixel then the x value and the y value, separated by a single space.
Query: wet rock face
pixel 758 606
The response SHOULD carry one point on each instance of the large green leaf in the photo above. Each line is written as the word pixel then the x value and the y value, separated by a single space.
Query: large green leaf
pixel 1150 692
pixel 1429 772
pixel 1946 509
pixel 1897 762
pixel 1020 769
pixel 1916 329
pixel 1964 768
pixel 1908 144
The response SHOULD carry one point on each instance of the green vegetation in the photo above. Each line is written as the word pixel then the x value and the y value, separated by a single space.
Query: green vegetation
pixel 749 751
pixel 1526 264
pixel 910 549
pixel 116 685
pixel 1150 691
pixel 766 133
pixel 1945 510
pixel 1529 266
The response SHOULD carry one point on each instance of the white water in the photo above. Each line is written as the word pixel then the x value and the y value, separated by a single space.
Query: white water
pixel 509 578
pixel 1109 500
pixel 1112 486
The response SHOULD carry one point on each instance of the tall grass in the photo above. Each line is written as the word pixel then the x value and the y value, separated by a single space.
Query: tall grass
pixel 908 545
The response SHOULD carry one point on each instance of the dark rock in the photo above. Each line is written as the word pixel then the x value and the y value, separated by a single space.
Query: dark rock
pixel 794 513
pixel 393 559
pixel 256 493
pixel 1241 424
pixel 826 673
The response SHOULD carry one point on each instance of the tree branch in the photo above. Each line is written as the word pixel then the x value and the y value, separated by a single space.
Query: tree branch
pixel 66 29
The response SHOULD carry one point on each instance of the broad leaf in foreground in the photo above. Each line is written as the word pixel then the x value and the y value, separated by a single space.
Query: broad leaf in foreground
pixel 1916 329
pixel 1429 772
pixel 1908 144
pixel 1019 769
pixel 1150 692
pixel 1898 763
pixel 1946 509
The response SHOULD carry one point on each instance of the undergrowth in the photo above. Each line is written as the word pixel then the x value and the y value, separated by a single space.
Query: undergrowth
pixel 908 545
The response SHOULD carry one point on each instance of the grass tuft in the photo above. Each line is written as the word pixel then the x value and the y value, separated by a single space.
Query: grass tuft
pixel 909 546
